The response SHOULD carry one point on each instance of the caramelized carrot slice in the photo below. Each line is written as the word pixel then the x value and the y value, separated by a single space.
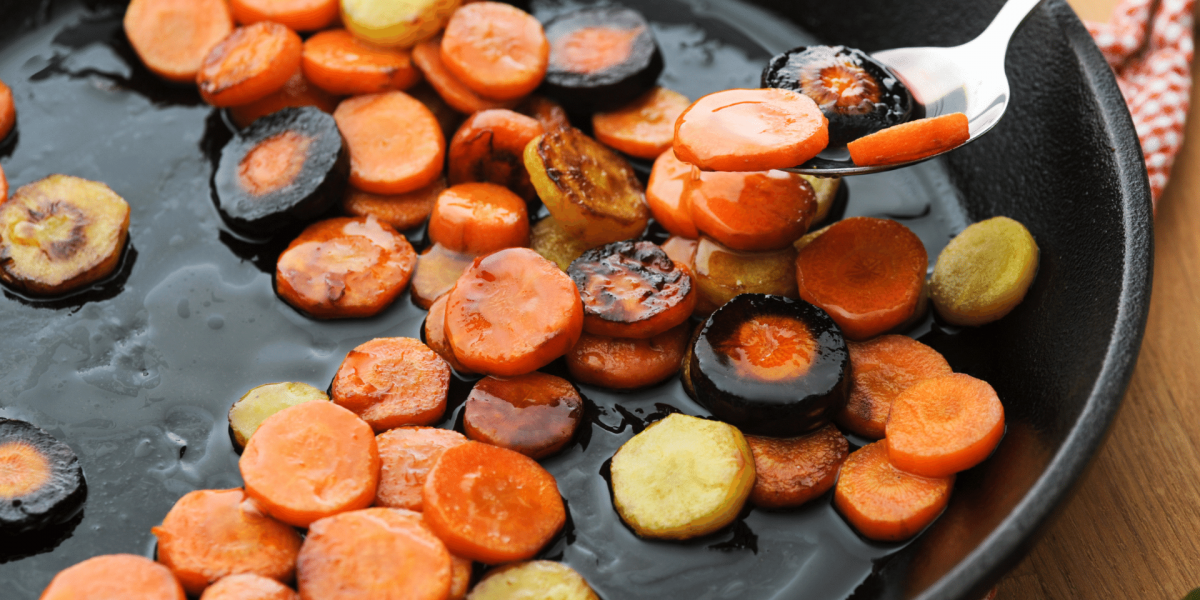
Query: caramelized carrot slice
pixel 792 471
pixel 535 414
pixel 373 553
pixel 435 334
pixel 249 64
pixel 881 370
pixel 631 290
pixel 246 586
pixel 492 505
pixel 751 130
pixel 340 63
pixel 172 37
pixel 310 461
pixel 511 313
pixel 401 211
pixel 944 425
pixel 479 218
pixel 390 382
pixel 909 141
pixel 496 49
pixel 209 534
pixel 644 128
pixel 665 197
pixel 428 57
pixel 547 112
pixel 395 143
pixel 626 364
pixel 8 112
pixel 114 577
pixel 867 273
pixel 490 147
pixel 296 92
pixel 437 271
pixel 884 503
pixel 751 211
pixel 408 453
pixel 300 15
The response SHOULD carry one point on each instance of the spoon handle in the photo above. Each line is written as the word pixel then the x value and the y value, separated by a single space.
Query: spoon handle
pixel 1002 27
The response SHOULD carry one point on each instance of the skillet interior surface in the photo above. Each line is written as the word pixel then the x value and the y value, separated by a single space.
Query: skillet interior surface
pixel 137 373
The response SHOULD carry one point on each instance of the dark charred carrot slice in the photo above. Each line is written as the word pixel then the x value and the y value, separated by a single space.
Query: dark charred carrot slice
pixel 428 57
pixel 496 49
pixel 511 313
pixel 435 335
pixel 114 576
pixel 490 147
pixel 535 414
pixel 944 425
pixel 296 92
pixel 479 218
pixel 601 57
pixel 246 586
pixel 626 364
pixel 549 113
pixel 300 15
pixel 884 503
pixel 209 534
pixel 373 553
pixel 751 211
pixel 249 64
pixel 172 37
pixel 408 453
pixel 682 251
pixel 344 268
pixel 8 113
pixel 751 130
pixel 437 271
pixel 390 382
pixel 867 273
pixel 339 63
pixel 491 504
pixel 644 128
pixel 882 369
pixel 631 290
pixel 61 233
pixel 396 144
pixel 41 482
pixel 770 366
pixel 722 273
pixel 665 197
pixel 792 471
pixel 401 211
pixel 311 461
pixel 910 141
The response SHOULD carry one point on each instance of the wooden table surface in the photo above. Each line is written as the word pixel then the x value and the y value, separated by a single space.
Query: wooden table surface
pixel 1132 528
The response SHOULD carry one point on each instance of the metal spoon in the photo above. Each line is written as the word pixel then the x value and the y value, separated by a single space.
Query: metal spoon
pixel 969 79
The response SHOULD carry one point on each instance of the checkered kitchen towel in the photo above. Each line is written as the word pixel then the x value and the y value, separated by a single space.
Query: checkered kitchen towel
pixel 1148 44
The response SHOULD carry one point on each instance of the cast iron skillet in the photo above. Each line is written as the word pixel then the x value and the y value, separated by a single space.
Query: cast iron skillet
pixel 137 373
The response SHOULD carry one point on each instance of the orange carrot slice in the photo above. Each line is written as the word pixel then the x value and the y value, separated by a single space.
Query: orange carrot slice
pixel 390 382
pixel 881 370
pixel 401 211
pixel 792 471
pixel 535 414
pixel 408 453
pixel 884 503
pixel 395 142
pixel 490 147
pixel 665 197
pixel 751 211
pixel 340 63
pixel 300 15
pixel 944 425
pixel 114 576
pixel 8 112
pixel 172 37
pixel 249 64
pixel 496 49
pixel 644 128
pixel 3 186
pixel 435 334
pixel 914 140
pixel 246 586
pixel 296 92
pixel 751 130
pixel 438 269
pixel 626 364
pixel 549 113
pixel 479 218
pixel 428 57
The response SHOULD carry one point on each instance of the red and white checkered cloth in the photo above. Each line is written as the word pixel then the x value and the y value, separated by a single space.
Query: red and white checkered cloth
pixel 1148 44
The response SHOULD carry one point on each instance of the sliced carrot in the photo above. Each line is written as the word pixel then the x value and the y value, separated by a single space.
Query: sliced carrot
pixel 751 211
pixel 751 130
pixel 492 505
pixel 428 57
pixel 884 503
pixel 114 577
pixel 909 141
pixel 401 211
pixel 172 37
pixel 496 49
pixel 446 115
pixel 310 461
pixel 435 334
pixel 386 553
pixel 461 570
pixel 644 128
pixel 665 197
pixel 408 453
pixel 867 273
pixel 547 112
pixel 535 414
pixel 301 15
pixel 511 313
pixel 626 364
pixel 681 250
pixel 390 382
pixel 3 186
pixel 437 271
pixel 479 218
pixel 340 63
pixel 246 586
pixel 209 534
pixel 793 471
pixel 632 290
pixel 296 92
pixel 395 142
pixel 881 370
pixel 249 64
pixel 944 425
pixel 490 147
pixel 8 112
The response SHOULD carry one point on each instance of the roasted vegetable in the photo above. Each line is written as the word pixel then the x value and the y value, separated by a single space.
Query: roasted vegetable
pixel 750 211
pixel 628 363
pixel 41 483
pixel 390 382
pixel 496 49
pixel 631 290
pixel 490 147
pixel 549 239
pixel 535 414
pixel 396 23
pixel 984 272
pixel 601 58
pixel 884 503
pixel 644 128
pixel 722 273
pixel 249 64
pixel 437 271
pixel 792 471
pixel 123 576
pixel 534 579
pixel 401 211
pixel 263 401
